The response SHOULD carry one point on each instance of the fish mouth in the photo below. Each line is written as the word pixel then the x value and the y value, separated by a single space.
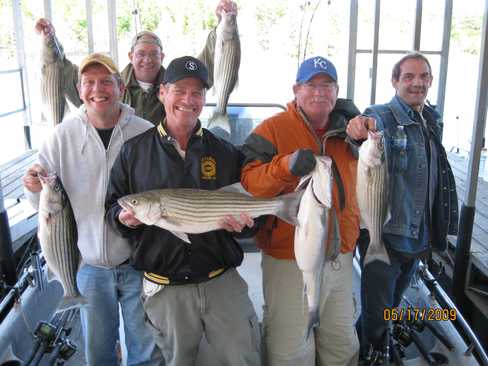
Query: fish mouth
pixel 125 205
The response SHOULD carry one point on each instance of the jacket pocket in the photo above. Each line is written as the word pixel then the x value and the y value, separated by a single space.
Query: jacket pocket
pixel 399 149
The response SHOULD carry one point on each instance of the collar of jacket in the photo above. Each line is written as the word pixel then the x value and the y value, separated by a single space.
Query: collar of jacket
pixel 406 115
pixel 125 113
pixel 130 81
pixel 165 136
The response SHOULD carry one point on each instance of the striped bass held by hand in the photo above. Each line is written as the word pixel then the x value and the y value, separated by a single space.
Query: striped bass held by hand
pixel 192 211
pixel 311 233
pixel 52 84
pixel 227 60
pixel 372 194
pixel 58 238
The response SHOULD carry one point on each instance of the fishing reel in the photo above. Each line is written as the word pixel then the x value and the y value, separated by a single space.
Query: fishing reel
pixel 420 325
pixel 68 349
pixel 45 332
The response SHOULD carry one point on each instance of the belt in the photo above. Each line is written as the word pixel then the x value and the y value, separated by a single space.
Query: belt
pixel 162 280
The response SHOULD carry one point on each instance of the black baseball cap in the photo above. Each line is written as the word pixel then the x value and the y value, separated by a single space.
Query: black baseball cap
pixel 186 67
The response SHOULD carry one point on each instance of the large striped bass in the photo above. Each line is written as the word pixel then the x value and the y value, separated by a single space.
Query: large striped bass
pixel 372 193
pixel 52 84
pixel 194 211
pixel 58 237
pixel 227 59
pixel 311 233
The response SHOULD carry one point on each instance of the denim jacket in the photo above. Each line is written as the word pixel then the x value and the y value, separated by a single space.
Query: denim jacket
pixel 407 163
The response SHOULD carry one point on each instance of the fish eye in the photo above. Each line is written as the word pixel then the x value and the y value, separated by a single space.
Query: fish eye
pixel 57 187
pixel 134 202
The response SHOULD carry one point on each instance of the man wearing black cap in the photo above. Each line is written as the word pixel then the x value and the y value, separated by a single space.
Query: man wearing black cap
pixel 189 289
pixel 142 76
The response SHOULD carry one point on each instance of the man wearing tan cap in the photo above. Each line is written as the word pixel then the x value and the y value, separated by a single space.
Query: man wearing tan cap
pixel 81 150
pixel 142 76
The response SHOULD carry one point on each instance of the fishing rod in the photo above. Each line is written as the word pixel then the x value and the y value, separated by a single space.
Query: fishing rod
pixel 51 337
pixel 438 292
pixel 420 323
pixel 31 276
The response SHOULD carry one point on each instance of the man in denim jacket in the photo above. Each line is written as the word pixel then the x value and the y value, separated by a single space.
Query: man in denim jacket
pixel 422 198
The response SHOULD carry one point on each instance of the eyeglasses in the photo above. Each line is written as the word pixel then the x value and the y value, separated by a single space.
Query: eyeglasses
pixel 151 55
pixel 328 86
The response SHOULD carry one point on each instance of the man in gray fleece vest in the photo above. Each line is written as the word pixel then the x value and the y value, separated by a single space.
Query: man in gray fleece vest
pixel 81 150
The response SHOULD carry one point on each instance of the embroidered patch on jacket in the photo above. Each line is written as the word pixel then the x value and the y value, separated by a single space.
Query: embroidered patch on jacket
pixel 209 168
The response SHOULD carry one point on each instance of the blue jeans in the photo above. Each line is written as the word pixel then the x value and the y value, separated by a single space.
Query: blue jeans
pixel 382 287
pixel 104 289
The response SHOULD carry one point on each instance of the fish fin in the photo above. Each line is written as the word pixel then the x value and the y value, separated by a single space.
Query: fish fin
pixel 235 188
pixel 376 253
pixel 51 276
pixel 302 184
pixel 221 133
pixel 219 120
pixel 181 235
pixel 289 209
pixel 313 321
pixel 71 302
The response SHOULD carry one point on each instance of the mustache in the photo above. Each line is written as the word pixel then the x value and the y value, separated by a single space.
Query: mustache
pixel 416 89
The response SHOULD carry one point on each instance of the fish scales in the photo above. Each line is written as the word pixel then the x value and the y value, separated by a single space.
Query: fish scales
pixel 227 76
pixel 372 193
pixel 60 254
pixel 58 237
pixel 205 207
pixel 52 92
pixel 311 234
pixel 227 59
pixel 64 234
pixel 197 211
pixel 52 83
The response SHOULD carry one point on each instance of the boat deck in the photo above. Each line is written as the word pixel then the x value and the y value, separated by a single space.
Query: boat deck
pixel 479 241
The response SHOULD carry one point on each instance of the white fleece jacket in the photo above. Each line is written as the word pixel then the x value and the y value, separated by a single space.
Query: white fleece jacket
pixel 76 153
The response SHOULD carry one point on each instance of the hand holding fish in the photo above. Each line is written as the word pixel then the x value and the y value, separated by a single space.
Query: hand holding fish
pixel 358 127
pixel 225 5
pixel 128 219
pixel 45 28
pixel 230 223
pixel 31 178
pixel 301 162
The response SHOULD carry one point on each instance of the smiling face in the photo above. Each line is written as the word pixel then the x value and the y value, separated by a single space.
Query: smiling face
pixel 414 82
pixel 183 101
pixel 317 98
pixel 100 91
pixel 146 58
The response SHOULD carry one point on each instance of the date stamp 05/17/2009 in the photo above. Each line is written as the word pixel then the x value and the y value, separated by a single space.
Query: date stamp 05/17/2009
pixel 411 313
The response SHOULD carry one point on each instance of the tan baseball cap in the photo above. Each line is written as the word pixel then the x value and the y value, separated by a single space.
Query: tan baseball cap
pixel 146 37
pixel 101 59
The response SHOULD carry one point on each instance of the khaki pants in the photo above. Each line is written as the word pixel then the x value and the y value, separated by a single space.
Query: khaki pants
pixel 220 309
pixel 286 315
